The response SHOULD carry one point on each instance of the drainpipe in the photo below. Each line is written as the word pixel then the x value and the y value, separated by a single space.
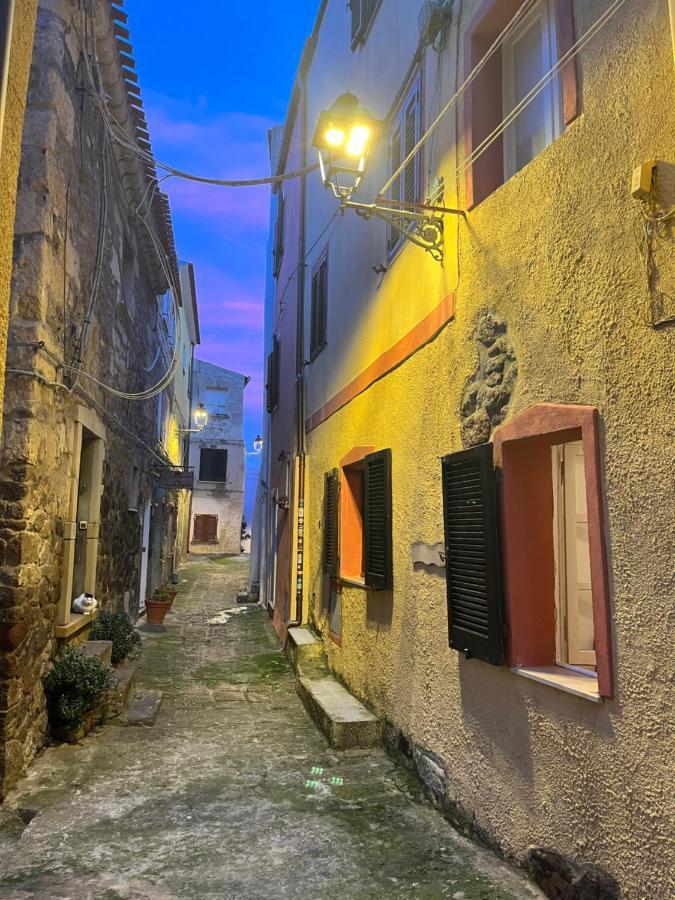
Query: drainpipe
pixel 298 555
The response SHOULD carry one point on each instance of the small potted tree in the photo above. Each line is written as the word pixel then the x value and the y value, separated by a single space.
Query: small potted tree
pixel 158 605
pixel 74 687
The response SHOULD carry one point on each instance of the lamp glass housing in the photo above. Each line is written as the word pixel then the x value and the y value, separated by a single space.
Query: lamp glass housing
pixel 201 416
pixel 258 444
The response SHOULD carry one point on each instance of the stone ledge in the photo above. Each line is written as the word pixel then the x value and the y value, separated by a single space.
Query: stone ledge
pixel 101 650
pixel 303 646
pixel 78 621
pixel 145 708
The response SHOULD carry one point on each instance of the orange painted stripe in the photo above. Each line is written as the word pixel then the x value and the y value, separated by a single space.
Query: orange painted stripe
pixel 421 334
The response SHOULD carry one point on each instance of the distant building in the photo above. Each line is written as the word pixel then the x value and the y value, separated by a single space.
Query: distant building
pixel 218 458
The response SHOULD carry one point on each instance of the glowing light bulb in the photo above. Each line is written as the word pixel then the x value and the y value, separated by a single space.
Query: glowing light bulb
pixel 335 137
pixel 359 139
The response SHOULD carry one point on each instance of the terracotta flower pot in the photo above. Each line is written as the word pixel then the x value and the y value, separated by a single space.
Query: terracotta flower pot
pixel 155 610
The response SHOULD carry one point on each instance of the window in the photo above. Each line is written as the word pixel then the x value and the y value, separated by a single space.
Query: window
pixel 404 135
pixel 358 520
pixel 272 386
pixel 215 400
pixel 205 530
pixel 527 56
pixel 363 13
pixel 278 252
pixel 556 583
pixel 319 307
pixel 575 637
pixel 506 78
pixel 212 464
pixel 168 315
pixel 472 554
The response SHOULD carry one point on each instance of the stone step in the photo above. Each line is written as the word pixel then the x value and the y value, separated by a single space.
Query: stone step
pixel 100 650
pixel 118 698
pixel 145 708
pixel 303 646
pixel 343 719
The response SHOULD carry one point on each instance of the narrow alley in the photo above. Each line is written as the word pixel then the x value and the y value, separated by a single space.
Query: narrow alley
pixel 233 792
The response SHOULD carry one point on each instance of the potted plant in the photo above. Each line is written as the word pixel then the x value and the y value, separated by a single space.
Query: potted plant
pixel 158 606
pixel 73 687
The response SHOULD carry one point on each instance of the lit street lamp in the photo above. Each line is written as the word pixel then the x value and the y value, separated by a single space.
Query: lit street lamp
pixel 344 137
pixel 258 444
pixel 201 417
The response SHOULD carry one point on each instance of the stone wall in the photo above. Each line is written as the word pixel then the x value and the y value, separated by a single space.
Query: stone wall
pixel 59 213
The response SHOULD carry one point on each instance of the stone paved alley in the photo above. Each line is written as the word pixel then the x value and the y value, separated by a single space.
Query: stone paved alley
pixel 212 801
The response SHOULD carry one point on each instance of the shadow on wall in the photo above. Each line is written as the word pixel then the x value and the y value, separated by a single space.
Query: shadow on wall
pixel 505 728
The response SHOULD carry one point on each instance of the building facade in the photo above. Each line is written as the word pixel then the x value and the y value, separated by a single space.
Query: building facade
pixel 486 513
pixel 217 456
pixel 80 456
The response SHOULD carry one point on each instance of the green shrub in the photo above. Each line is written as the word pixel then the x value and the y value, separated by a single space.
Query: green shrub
pixel 117 627
pixel 74 685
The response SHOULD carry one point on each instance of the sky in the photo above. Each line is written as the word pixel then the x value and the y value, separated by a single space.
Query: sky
pixel 215 76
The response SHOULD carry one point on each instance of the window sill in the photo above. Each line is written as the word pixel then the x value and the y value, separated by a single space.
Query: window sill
pixel 353 582
pixel 77 622
pixel 585 686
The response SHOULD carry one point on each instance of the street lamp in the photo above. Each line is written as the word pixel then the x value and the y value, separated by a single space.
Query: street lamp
pixel 201 417
pixel 258 444
pixel 344 137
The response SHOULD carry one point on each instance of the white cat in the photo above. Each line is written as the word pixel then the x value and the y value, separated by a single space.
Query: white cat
pixel 85 603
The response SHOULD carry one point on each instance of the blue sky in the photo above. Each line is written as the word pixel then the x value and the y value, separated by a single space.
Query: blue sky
pixel 215 76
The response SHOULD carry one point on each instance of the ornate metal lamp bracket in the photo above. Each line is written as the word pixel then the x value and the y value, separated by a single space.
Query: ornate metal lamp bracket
pixel 422 226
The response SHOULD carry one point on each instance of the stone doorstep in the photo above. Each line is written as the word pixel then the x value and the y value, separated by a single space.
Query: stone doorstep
pixel 118 697
pixel 303 646
pixel 100 650
pixel 145 708
pixel 343 719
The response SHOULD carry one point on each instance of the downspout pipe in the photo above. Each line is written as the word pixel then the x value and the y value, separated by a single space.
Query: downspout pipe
pixel 300 321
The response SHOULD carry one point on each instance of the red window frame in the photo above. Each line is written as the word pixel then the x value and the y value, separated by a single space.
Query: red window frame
pixel 522 449
pixel 483 104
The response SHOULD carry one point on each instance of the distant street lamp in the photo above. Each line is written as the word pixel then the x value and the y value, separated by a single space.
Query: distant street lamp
pixel 344 137
pixel 258 444
pixel 201 417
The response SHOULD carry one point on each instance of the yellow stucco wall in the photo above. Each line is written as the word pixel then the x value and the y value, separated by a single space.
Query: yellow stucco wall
pixel 19 66
pixel 553 252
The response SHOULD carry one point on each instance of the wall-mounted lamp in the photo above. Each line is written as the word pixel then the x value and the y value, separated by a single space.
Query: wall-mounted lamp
pixel 258 444
pixel 344 137
pixel 201 417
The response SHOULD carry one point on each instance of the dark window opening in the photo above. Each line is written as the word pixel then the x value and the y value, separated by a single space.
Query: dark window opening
pixel 319 310
pixel 212 465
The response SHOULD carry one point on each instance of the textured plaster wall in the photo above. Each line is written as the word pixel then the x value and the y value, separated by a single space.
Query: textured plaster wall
pixel 553 253
pixel 10 140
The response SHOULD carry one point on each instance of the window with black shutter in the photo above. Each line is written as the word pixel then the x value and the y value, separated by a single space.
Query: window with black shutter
pixel 472 554
pixel 272 386
pixel 377 528
pixel 331 524
pixel 212 464
pixel 362 13
pixel 404 135
pixel 205 530
pixel 319 308
pixel 278 252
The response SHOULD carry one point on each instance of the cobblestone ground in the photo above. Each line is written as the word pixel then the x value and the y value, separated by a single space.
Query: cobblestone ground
pixel 233 793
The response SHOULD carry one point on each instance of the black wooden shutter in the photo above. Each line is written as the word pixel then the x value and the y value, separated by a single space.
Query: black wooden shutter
pixel 273 362
pixel 377 534
pixel 411 130
pixel 472 554
pixel 331 524
pixel 279 235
